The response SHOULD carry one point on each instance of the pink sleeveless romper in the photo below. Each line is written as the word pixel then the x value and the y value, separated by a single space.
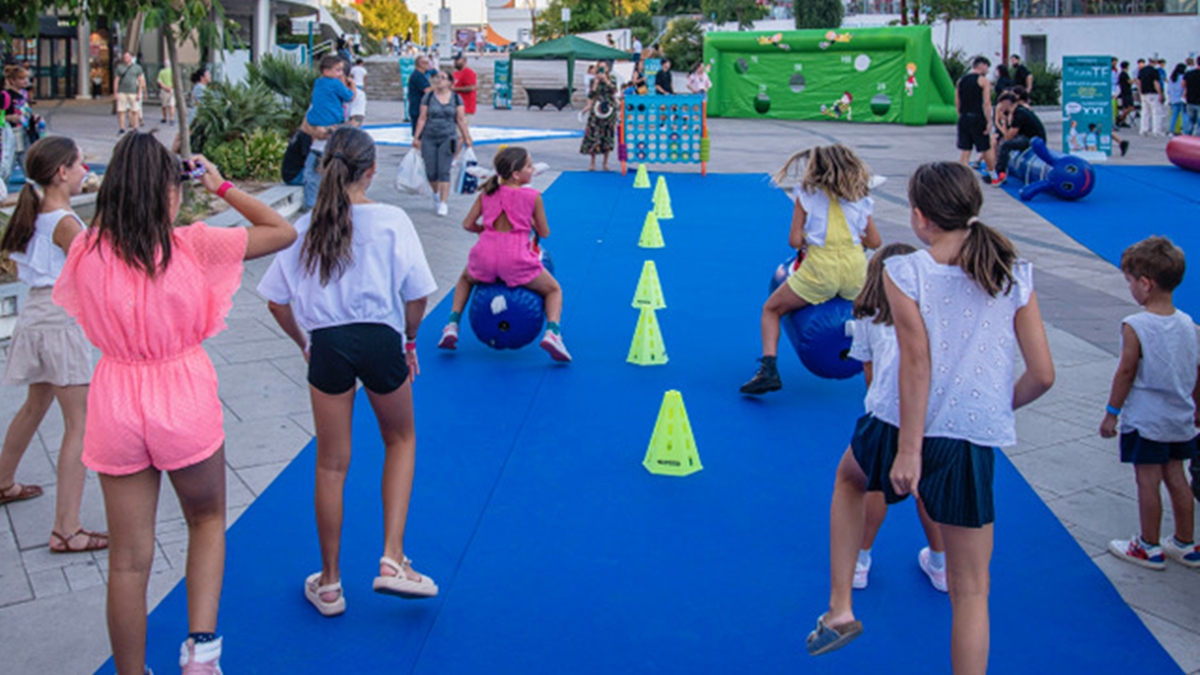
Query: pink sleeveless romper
pixel 153 400
pixel 512 256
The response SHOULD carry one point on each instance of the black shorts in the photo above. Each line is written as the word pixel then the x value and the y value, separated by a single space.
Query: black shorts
pixel 973 133
pixel 371 352
pixel 956 475
pixel 1138 450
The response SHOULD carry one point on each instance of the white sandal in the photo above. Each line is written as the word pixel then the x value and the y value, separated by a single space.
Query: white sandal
pixel 400 585
pixel 313 591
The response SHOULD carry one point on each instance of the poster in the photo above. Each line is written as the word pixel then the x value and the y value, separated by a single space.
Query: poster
pixel 1087 106
pixel 502 95
pixel 408 65
pixel 651 68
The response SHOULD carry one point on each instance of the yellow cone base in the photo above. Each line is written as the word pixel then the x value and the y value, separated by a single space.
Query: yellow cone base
pixel 672 450
pixel 642 179
pixel 649 293
pixel 648 348
pixel 651 234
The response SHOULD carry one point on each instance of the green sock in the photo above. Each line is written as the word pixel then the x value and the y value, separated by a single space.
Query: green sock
pixel 455 317
pixel 552 326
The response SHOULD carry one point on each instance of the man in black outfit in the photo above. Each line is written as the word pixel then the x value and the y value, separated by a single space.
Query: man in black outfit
pixel 1125 95
pixel 1151 86
pixel 1018 126
pixel 1021 76
pixel 1191 99
pixel 662 81
pixel 972 100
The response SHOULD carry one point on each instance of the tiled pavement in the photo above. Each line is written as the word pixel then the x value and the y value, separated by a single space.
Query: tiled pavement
pixel 52 607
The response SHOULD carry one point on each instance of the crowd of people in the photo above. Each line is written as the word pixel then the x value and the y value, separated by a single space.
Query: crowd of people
pixel 1166 99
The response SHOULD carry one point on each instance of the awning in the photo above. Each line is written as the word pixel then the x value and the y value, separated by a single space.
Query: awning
pixel 495 38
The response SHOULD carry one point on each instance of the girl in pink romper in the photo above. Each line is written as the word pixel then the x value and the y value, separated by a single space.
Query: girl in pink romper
pixel 505 250
pixel 147 295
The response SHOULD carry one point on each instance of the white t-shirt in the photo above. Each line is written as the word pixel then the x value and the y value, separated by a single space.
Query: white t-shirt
pixel 388 268
pixel 359 74
pixel 359 105
pixel 1160 406
pixel 816 223
pixel 972 347
pixel 875 343
pixel 43 260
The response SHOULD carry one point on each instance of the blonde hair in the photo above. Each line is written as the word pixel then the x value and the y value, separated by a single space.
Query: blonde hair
pixel 832 168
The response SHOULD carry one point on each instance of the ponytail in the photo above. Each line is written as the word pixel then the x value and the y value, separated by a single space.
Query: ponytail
pixel 949 196
pixel 987 257
pixel 491 184
pixel 327 251
pixel 42 162
pixel 507 162
pixel 791 169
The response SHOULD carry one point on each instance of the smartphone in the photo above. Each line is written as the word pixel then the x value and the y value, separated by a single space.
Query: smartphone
pixel 191 172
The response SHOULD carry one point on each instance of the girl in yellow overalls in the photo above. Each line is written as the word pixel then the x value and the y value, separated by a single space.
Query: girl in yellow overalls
pixel 831 219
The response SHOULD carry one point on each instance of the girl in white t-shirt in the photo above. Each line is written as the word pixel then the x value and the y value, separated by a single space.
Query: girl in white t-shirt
pixel 351 292
pixel 49 352
pixel 831 224
pixel 962 307
pixel 875 345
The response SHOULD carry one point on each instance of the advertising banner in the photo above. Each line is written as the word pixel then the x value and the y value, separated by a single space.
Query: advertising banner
pixel 408 65
pixel 502 94
pixel 1087 106
pixel 652 67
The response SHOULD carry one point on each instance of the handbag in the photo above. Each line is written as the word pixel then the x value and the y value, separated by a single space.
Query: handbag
pixel 410 176
pixel 465 182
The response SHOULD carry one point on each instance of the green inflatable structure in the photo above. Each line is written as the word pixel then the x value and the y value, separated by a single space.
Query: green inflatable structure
pixel 890 74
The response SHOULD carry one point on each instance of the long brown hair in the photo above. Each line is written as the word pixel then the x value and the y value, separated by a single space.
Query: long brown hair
pixel 507 162
pixel 327 248
pixel 133 206
pixel 948 194
pixel 833 168
pixel 871 301
pixel 42 162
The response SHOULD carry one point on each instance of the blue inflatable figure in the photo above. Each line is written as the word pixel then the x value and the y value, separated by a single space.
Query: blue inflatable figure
pixel 508 318
pixel 1044 170
pixel 818 332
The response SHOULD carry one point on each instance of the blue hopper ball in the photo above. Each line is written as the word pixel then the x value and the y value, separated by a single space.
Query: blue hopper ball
pixel 507 318
pixel 818 333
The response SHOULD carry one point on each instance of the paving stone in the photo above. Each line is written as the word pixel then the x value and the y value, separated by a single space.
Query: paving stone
pixel 14 584
pixel 1069 467
pixel 262 378
pixel 254 351
pixel 256 407
pixel 82 576
pixel 47 583
pixel 258 478
pixel 1179 641
pixel 266 441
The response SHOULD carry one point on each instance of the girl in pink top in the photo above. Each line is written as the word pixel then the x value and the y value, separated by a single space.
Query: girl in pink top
pixel 147 294
pixel 506 250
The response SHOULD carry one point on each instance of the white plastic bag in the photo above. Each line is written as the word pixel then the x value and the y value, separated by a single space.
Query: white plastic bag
pixel 464 182
pixel 410 176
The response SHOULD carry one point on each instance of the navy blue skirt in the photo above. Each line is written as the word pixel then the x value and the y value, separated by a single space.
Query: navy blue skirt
pixel 956 475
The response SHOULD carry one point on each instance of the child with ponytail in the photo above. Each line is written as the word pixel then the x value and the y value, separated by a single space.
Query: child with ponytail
pixel 351 292
pixel 49 353
pixel 831 222
pixel 507 250
pixel 962 307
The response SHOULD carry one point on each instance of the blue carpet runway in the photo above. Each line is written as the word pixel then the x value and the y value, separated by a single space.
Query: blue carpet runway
pixel 556 552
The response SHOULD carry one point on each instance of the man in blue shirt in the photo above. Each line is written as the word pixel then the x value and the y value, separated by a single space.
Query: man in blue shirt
pixel 418 86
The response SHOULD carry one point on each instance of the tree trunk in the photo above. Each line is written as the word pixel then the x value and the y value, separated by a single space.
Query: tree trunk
pixel 946 47
pixel 185 136
pixel 903 13
pixel 134 35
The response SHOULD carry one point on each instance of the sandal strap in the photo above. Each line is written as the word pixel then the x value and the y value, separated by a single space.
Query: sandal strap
pixel 328 588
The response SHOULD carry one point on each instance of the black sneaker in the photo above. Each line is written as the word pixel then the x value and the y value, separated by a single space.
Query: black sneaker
pixel 1124 147
pixel 765 380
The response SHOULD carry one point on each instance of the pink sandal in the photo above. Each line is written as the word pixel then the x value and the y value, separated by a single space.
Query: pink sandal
pixel 313 591
pixel 400 585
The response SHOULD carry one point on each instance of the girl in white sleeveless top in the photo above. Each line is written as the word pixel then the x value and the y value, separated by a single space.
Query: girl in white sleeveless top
pixel 48 352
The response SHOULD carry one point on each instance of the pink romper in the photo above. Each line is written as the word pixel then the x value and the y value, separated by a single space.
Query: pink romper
pixel 153 400
pixel 511 256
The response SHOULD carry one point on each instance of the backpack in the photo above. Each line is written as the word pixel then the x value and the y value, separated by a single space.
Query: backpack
pixel 294 158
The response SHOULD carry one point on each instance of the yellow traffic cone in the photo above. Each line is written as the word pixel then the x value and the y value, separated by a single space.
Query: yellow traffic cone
pixel 642 179
pixel 672 450
pixel 647 348
pixel 649 293
pixel 662 200
pixel 651 234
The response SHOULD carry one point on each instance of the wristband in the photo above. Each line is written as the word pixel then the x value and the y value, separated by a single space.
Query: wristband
pixel 225 187
pixel 410 346
pixel 1115 412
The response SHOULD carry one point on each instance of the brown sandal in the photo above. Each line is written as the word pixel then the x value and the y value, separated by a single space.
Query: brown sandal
pixel 24 492
pixel 97 541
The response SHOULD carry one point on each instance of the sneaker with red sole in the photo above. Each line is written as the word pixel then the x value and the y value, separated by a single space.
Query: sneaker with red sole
pixel 449 337
pixel 200 658
pixel 552 342
pixel 999 179
pixel 1134 551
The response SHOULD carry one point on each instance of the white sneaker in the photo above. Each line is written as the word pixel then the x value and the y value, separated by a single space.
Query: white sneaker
pixel 552 342
pixel 200 659
pixel 860 575
pixel 1188 556
pixel 936 577
pixel 443 208
pixel 449 337
pixel 1132 550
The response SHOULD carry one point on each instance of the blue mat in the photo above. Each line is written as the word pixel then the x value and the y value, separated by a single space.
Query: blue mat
pixel 556 552
pixel 1129 204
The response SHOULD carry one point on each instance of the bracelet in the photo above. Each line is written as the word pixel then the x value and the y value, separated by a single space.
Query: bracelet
pixel 1115 412
pixel 225 187
pixel 410 345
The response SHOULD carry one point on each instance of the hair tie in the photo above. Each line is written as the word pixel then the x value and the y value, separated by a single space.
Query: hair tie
pixel 972 220
pixel 338 155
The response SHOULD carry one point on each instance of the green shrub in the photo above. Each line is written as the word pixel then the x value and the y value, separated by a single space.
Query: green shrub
pixel 1047 84
pixel 683 43
pixel 956 64
pixel 232 112
pixel 258 156
pixel 292 81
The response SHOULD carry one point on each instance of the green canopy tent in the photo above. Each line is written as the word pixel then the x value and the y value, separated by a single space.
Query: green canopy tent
pixel 569 49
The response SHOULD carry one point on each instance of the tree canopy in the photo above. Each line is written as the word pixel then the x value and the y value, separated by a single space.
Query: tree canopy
pixel 385 18
pixel 743 12
pixel 819 13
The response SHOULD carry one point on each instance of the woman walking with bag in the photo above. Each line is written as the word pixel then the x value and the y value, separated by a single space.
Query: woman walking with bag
pixel 441 116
